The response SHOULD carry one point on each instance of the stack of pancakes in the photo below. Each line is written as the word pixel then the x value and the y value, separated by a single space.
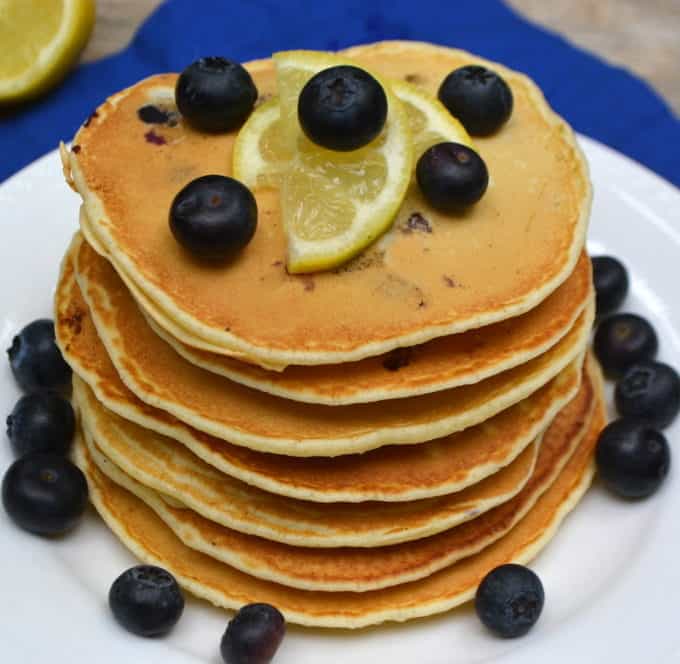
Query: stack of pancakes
pixel 352 446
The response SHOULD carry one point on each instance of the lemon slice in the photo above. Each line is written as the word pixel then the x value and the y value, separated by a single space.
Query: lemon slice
pixel 271 144
pixel 293 70
pixel 430 121
pixel 261 154
pixel 260 151
pixel 334 204
pixel 40 41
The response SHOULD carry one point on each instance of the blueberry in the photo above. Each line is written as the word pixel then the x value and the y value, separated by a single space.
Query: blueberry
pixel 41 422
pixel 478 97
pixel 632 458
pixel 44 493
pixel 509 600
pixel 451 176
pixel 611 283
pixel 36 360
pixel 151 114
pixel 342 108
pixel 649 391
pixel 253 636
pixel 215 94
pixel 621 340
pixel 146 600
pixel 213 217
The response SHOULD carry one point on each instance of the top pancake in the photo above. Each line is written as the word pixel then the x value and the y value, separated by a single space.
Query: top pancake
pixel 451 361
pixel 443 363
pixel 499 260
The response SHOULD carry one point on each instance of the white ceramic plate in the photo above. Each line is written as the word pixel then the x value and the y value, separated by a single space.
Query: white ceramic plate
pixel 611 575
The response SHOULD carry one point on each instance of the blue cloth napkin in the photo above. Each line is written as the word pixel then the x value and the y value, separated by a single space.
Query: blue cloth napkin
pixel 599 100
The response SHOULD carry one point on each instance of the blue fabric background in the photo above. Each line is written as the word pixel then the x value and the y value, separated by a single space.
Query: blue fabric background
pixel 598 100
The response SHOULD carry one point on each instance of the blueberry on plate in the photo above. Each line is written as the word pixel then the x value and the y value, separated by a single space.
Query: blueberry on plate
pixel 621 340
pixel 36 360
pixel 342 108
pixel 213 217
pixel 146 600
pixel 478 97
pixel 253 636
pixel 451 176
pixel 509 600
pixel 41 422
pixel 611 283
pixel 649 391
pixel 632 458
pixel 215 94
pixel 44 493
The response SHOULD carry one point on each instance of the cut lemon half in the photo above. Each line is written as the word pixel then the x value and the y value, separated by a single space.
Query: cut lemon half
pixel 40 41
pixel 334 204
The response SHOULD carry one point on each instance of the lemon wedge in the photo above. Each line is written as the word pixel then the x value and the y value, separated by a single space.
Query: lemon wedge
pixel 334 204
pixel 40 41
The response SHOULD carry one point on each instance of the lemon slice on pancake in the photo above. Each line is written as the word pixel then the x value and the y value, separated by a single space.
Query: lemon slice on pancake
pixel 326 221
pixel 430 121
pixel 334 204
pixel 261 154
pixel 40 41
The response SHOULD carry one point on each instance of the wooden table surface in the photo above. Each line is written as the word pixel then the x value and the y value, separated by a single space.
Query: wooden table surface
pixel 640 35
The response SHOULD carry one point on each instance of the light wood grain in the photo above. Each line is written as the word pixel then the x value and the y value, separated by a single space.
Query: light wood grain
pixel 641 35
pixel 117 22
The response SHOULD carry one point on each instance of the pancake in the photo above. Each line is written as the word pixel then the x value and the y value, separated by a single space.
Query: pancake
pixel 388 474
pixel 392 473
pixel 168 467
pixel 452 361
pixel 152 370
pixel 352 569
pixel 498 260
pixel 153 542
pixel 458 359
pixel 361 570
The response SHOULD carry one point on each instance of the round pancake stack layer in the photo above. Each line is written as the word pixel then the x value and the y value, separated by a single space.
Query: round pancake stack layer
pixel 353 446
